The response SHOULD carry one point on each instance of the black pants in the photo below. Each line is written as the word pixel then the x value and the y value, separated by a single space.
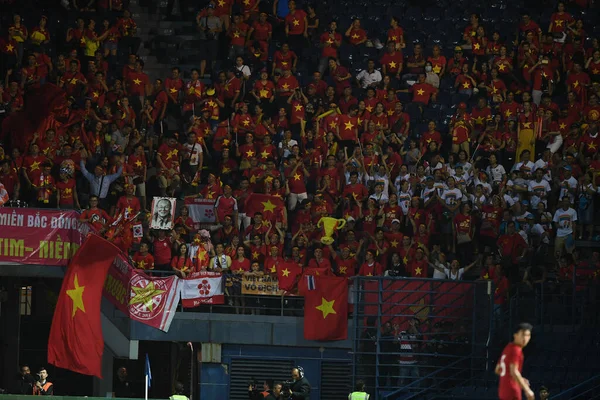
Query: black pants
pixel 297 44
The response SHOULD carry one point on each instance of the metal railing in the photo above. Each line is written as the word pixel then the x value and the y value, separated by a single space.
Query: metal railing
pixel 413 336
pixel 588 390
pixel 291 306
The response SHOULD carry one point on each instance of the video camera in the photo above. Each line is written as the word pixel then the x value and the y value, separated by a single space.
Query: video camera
pixel 286 389
pixel 254 391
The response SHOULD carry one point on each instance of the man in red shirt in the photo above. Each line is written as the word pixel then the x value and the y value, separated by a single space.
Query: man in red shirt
pixel 511 364
pixel 330 41
pixel 161 100
pixel 513 248
pixel 73 81
pixel 391 62
pixel 296 27
pixel 136 85
pixel 423 92
pixel 143 259
pixel 340 75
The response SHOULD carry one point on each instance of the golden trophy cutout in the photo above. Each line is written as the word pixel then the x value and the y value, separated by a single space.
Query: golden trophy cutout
pixel 329 225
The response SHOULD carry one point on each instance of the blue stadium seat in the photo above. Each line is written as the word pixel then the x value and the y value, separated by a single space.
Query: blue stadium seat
pixel 430 114
pixel 404 97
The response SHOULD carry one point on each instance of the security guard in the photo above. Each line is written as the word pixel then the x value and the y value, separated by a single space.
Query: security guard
pixel 178 392
pixel 359 392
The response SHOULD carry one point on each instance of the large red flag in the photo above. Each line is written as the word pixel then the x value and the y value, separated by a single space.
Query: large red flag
pixel 76 341
pixel 288 275
pixel 266 204
pixel 326 308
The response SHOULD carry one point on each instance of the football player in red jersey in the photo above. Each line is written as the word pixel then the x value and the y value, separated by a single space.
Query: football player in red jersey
pixel 509 368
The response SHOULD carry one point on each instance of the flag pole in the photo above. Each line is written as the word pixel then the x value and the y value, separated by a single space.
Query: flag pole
pixel 146 390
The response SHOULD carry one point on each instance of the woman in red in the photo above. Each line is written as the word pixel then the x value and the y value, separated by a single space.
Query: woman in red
pixel 181 263
pixel 464 231
pixel 239 266
pixel 417 266
pixel 185 220
pixel 370 216
pixel 370 267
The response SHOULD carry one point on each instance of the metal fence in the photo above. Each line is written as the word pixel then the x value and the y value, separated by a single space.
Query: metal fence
pixel 417 335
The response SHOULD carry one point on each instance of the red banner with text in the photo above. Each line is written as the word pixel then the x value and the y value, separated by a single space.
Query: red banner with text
pixel 40 237
pixel 116 285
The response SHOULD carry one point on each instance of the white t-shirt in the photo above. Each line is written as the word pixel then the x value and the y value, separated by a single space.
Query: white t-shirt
pixel 454 277
pixel 564 221
pixel 540 190
pixel 526 167
pixel 404 201
pixel 451 196
pixel 544 165
pixel 194 150
pixel 496 173
pixel 570 183
pixel 439 274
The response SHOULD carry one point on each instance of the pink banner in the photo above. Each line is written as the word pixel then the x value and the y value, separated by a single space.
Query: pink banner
pixel 116 285
pixel 40 237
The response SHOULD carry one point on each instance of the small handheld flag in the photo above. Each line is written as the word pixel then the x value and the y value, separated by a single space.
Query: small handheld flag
pixel 148 376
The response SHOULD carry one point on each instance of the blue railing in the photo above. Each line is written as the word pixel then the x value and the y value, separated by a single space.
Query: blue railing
pixel 587 390
pixel 416 336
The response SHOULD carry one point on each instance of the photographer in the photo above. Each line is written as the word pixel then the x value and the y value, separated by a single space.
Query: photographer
pixel 24 382
pixel 299 388
pixel 42 386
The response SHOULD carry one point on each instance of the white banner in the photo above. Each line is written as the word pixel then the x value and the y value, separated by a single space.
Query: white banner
pixel 202 288
pixel 202 211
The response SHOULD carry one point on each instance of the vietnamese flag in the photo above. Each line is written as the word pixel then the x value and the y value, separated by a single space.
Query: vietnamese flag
pixel 303 284
pixel 266 204
pixel 287 275
pixel 76 341
pixel 326 308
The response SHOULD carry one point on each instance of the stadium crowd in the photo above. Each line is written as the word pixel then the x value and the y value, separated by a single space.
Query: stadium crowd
pixel 438 159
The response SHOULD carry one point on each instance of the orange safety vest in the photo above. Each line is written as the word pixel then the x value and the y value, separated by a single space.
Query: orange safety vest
pixel 37 392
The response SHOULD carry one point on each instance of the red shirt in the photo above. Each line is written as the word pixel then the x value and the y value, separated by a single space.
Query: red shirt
pixel 237 265
pixel 511 246
pixel 296 181
pixel 128 206
pixel 296 22
pixel 286 86
pixel 143 262
pixel 66 190
pixel 99 217
pixel 162 251
pixel 173 86
pixel 329 44
pixel 392 62
pixel 168 155
pixel 395 34
pixel 508 387
pixel 374 269
pixel 346 267
pixel 238 33
pixel 262 31
pixel 357 36
pixel 417 269
pixel 348 127
pixel 463 223
pixel 284 61
pixel 422 92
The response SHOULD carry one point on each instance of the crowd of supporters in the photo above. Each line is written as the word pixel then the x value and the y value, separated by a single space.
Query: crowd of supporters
pixel 437 162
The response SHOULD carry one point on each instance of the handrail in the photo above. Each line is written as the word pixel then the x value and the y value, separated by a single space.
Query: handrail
pixel 419 381
pixel 576 387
